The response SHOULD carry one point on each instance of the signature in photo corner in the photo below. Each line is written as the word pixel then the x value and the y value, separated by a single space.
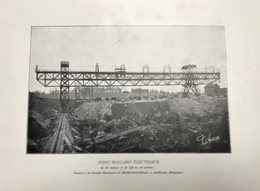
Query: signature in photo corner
pixel 204 139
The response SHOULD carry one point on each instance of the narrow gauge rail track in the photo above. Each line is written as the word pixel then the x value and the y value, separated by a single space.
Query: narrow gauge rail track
pixel 61 136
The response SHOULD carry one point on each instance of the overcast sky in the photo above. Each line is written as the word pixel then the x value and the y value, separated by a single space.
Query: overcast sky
pixel 110 46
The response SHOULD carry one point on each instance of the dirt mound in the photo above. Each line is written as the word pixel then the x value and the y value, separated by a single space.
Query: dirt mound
pixel 172 125
pixel 149 108
pixel 93 110
pixel 184 106
pixel 46 107
pixel 216 102
pixel 190 106
pixel 97 110
pixel 37 126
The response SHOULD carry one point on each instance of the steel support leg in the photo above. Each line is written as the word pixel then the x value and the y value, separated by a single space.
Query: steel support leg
pixel 64 86
pixel 190 85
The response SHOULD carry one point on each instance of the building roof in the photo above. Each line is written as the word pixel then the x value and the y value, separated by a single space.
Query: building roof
pixel 212 86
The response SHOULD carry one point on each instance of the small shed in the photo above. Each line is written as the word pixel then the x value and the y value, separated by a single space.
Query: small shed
pixel 211 89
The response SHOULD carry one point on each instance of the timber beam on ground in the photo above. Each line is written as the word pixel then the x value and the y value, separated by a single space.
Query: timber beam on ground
pixel 111 136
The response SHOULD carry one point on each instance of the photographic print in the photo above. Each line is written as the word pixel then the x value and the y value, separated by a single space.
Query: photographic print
pixel 128 89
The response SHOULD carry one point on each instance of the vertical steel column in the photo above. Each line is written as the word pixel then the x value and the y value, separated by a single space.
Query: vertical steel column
pixel 64 85
pixel 190 84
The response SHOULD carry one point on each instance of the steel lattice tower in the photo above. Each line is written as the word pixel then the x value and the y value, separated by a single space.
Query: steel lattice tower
pixel 64 85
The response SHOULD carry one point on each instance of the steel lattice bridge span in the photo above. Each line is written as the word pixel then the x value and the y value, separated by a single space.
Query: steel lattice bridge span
pixel 189 78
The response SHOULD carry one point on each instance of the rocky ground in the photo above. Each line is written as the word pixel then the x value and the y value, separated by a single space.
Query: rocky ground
pixel 173 125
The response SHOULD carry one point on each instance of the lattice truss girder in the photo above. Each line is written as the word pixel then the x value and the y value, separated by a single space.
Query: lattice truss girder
pixel 75 79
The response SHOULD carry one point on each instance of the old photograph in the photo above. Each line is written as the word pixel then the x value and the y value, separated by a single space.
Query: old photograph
pixel 128 89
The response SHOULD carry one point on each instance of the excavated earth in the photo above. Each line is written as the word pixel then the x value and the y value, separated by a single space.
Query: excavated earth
pixel 135 126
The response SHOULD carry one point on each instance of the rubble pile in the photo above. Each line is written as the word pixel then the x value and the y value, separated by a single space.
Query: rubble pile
pixel 45 107
pixel 143 108
pixel 136 126
pixel 217 103
pixel 39 129
pixel 172 125
pixel 93 110
pixel 38 126
pixel 41 120
pixel 190 106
